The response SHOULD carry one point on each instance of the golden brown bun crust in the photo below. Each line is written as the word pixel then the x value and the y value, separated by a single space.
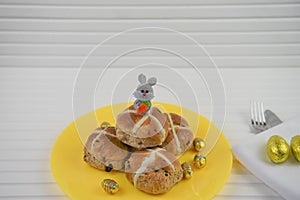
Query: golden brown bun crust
pixel 159 176
pixel 184 136
pixel 152 132
pixel 103 149
pixel 178 120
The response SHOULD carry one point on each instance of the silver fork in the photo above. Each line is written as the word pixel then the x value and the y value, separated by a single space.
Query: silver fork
pixel 258 121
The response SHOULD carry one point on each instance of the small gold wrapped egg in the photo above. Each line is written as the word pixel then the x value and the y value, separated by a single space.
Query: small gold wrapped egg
pixel 199 161
pixel 277 149
pixel 295 147
pixel 110 186
pixel 187 170
pixel 198 144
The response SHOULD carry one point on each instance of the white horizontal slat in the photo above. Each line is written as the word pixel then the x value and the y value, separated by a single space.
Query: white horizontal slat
pixel 61 38
pixel 245 190
pixel 24 165
pixel 25 177
pixel 26 153
pixel 34 107
pixel 222 62
pixel 56 79
pixel 170 12
pixel 10 116
pixel 38 190
pixel 42 126
pixel 214 50
pixel 21 145
pixel 144 2
pixel 206 25
pixel 30 135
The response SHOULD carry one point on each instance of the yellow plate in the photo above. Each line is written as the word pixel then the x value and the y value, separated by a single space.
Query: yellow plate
pixel 80 181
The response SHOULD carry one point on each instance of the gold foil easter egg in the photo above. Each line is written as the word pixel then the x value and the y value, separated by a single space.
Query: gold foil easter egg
pixel 187 170
pixel 198 144
pixel 295 147
pixel 278 149
pixel 199 161
pixel 110 186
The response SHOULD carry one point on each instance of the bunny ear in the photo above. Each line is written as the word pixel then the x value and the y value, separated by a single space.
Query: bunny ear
pixel 142 78
pixel 152 81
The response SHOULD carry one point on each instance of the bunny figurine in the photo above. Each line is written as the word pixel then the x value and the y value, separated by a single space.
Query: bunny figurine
pixel 144 94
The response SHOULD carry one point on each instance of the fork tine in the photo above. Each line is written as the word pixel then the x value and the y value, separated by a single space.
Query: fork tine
pixel 263 114
pixel 261 108
pixel 252 112
pixel 258 112
pixel 257 106
pixel 255 112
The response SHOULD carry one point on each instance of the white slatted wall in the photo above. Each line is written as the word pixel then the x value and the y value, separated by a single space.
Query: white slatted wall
pixel 237 33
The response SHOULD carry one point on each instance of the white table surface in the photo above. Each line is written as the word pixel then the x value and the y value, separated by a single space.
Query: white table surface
pixel 36 105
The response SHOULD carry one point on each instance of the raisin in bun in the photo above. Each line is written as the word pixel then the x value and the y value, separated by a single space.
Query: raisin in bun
pixel 180 136
pixel 142 131
pixel 104 151
pixel 153 171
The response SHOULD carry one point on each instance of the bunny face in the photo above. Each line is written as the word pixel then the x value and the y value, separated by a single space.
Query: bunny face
pixel 144 91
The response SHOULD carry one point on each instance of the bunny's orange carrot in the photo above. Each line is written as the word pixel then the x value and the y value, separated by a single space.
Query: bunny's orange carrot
pixel 142 108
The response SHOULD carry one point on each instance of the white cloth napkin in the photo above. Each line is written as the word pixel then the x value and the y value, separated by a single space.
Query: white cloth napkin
pixel 283 178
